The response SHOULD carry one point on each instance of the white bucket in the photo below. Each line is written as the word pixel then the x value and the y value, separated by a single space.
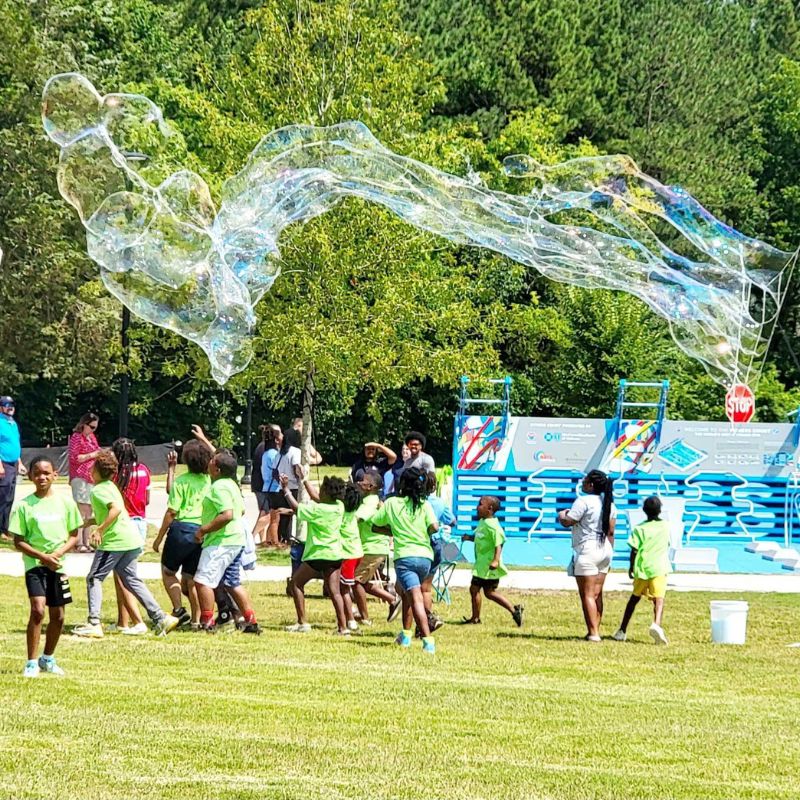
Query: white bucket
pixel 728 621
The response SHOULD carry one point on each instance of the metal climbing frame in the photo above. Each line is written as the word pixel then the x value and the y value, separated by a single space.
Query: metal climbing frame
pixel 504 401
pixel 624 403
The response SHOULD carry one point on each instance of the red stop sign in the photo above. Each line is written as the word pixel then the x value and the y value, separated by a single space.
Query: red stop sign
pixel 740 403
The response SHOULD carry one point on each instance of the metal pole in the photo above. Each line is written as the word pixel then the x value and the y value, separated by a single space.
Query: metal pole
pixel 125 380
pixel 248 437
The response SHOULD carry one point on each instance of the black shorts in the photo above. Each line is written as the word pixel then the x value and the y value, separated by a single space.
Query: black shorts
pixel 53 586
pixel 181 551
pixel 485 583
pixel 323 566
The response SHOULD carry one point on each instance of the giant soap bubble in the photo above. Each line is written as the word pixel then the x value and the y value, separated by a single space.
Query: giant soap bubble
pixel 173 259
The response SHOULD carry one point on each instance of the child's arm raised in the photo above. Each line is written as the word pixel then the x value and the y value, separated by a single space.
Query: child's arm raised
pixel 290 499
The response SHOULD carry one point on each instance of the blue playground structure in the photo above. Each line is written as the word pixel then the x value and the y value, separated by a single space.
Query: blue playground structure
pixel 730 492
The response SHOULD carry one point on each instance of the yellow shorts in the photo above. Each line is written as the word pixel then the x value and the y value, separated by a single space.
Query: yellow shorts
pixel 650 587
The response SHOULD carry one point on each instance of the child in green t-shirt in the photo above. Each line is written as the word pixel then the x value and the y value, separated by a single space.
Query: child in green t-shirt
pixel 489 538
pixel 181 520
pixel 45 527
pixel 649 567
pixel 119 545
pixel 322 554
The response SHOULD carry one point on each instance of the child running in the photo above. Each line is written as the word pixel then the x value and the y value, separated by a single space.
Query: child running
pixel 133 481
pixel 489 538
pixel 181 520
pixel 411 521
pixel 322 554
pixel 119 545
pixel 376 551
pixel 352 550
pixel 649 567
pixel 45 527
pixel 223 538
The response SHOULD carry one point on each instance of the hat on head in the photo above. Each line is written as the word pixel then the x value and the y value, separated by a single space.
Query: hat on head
pixel 5 400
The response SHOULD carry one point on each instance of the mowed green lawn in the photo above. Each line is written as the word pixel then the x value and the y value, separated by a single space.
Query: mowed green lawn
pixel 497 713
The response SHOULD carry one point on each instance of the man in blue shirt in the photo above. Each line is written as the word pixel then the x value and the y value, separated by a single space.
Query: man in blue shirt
pixel 10 464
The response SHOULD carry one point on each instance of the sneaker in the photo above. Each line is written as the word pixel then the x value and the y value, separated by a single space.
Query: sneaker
pixel 434 621
pixel 210 627
pixel 394 609
pixel 516 615
pixel 367 623
pixel 88 630
pixel 48 664
pixel 352 625
pixel 251 627
pixel 224 618
pixel 196 626
pixel 469 621
pixel 403 639
pixel 620 636
pixel 657 634
pixel 166 624
pixel 184 617
pixel 345 633
pixel 135 630
pixel 428 646
pixel 588 638
pixel 298 627
pixel 31 670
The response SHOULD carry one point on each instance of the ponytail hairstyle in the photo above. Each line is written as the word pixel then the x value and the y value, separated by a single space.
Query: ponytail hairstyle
pixel 600 483
pixel 352 496
pixel 413 485
pixel 128 460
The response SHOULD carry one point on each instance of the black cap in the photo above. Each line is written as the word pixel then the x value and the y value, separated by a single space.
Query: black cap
pixel 5 400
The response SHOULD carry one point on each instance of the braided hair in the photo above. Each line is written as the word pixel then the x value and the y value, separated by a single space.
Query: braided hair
pixel 413 485
pixel 352 496
pixel 128 459
pixel 600 483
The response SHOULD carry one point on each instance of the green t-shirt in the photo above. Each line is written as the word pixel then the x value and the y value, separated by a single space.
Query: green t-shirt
pixel 351 541
pixel 44 523
pixel 409 527
pixel 651 542
pixel 374 544
pixel 224 495
pixel 323 530
pixel 187 495
pixel 122 534
pixel 489 535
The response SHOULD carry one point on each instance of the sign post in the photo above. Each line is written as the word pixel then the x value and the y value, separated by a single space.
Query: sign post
pixel 740 403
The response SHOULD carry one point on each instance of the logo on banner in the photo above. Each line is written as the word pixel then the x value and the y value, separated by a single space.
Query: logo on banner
pixel 740 403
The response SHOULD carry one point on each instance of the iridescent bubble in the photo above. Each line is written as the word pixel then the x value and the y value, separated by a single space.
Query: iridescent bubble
pixel 173 259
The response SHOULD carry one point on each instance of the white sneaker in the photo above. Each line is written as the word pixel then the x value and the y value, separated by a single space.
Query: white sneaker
pixel 31 670
pixel 367 623
pixel 620 636
pixel 352 625
pixel 166 624
pixel 298 627
pixel 88 631
pixel 49 665
pixel 657 634
pixel 134 630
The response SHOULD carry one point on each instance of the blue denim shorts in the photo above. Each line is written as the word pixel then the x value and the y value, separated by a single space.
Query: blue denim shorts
pixel 412 571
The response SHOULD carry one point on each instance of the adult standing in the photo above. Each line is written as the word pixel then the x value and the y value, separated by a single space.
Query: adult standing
pixel 83 450
pixel 375 459
pixel 10 462
pixel 314 458
pixel 282 457
pixel 592 518
pixel 257 487
pixel 418 458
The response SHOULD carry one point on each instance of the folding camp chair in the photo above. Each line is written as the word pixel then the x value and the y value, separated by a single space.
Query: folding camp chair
pixel 451 555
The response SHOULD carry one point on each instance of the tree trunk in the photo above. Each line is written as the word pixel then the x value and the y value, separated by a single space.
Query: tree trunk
pixel 305 439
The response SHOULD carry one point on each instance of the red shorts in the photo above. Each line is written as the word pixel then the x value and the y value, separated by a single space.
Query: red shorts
pixel 348 573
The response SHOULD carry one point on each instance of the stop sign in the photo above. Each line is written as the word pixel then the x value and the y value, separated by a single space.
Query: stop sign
pixel 740 403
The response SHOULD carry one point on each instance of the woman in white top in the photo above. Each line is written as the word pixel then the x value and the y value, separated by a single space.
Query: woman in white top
pixel 593 520
pixel 282 456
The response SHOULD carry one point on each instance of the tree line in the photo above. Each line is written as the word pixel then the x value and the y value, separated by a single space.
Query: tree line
pixel 382 320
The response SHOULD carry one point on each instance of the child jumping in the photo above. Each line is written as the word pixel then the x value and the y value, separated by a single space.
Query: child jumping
pixel 352 550
pixel 649 567
pixel 489 538
pixel 119 546
pixel 45 527
pixel 322 554
pixel 181 520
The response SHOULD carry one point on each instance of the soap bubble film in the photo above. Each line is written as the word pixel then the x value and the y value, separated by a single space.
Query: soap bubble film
pixel 175 260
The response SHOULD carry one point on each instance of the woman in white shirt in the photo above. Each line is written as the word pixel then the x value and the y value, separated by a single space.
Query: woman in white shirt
pixel 593 520
pixel 281 456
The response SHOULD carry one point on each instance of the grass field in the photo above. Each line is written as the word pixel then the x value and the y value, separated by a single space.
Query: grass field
pixel 498 712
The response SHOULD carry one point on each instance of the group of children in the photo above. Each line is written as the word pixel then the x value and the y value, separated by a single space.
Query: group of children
pixel 346 541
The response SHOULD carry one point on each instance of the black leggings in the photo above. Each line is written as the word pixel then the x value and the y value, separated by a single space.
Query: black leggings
pixel 277 500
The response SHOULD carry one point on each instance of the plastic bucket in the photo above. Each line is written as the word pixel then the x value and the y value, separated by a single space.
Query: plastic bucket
pixel 728 621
